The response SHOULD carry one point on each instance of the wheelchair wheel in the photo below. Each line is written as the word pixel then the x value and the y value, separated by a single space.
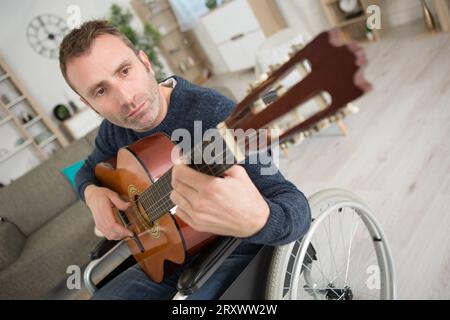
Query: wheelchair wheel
pixel 345 255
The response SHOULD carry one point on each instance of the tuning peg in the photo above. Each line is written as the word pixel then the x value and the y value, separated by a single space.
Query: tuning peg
pixel 273 68
pixel 281 90
pixel 292 51
pixel 285 149
pixel 276 130
pixel 307 133
pixel 341 114
pixel 252 86
pixel 324 124
pixel 299 138
pixel 352 108
pixel 264 77
pixel 258 106
pixel 296 48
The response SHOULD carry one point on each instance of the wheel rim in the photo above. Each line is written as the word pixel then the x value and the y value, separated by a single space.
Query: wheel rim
pixel 329 278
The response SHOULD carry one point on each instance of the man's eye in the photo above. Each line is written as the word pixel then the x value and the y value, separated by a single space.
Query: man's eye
pixel 125 71
pixel 100 92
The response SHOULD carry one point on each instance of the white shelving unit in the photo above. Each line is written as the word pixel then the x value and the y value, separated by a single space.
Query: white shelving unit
pixel 28 135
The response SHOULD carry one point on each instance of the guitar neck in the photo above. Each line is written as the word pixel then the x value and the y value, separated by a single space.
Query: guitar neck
pixel 156 199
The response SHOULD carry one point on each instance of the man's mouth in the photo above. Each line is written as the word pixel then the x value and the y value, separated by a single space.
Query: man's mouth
pixel 136 111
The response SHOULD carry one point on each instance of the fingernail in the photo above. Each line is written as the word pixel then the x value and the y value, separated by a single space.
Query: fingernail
pixel 178 161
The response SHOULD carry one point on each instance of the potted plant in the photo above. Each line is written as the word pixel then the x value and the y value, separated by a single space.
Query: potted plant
pixel 147 41
pixel 211 4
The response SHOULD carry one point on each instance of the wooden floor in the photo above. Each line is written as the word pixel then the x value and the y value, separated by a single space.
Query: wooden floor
pixel 396 157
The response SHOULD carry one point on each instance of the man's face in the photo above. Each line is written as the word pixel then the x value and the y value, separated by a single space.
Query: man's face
pixel 116 83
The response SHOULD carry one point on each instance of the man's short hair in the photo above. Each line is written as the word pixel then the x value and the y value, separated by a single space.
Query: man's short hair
pixel 79 41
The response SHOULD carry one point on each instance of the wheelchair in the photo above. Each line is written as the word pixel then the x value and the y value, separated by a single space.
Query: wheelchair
pixel 345 255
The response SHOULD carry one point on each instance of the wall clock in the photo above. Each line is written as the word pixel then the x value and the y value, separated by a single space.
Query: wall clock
pixel 44 34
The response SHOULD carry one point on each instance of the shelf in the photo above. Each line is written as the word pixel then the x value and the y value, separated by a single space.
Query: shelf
pixel 5 120
pixel 159 11
pixel 352 21
pixel 30 123
pixel 46 142
pixel 169 31
pixel 15 101
pixel 16 150
pixel 180 48
pixel 4 77
pixel 172 47
pixel 352 25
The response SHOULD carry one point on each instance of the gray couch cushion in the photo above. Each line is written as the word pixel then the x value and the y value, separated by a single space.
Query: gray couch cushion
pixel 42 193
pixel 91 137
pixel 12 241
pixel 65 240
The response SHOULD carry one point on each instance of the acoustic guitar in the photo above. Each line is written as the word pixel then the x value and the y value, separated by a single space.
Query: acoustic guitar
pixel 141 172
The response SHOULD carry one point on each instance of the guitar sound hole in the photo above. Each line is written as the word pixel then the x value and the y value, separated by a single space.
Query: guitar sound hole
pixel 149 224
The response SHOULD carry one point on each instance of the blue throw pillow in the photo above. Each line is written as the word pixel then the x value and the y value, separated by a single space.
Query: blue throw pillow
pixel 71 171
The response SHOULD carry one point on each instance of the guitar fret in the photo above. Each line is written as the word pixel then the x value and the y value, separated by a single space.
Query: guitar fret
pixel 156 199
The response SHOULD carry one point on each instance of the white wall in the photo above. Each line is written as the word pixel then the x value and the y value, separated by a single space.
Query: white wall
pixel 40 75
pixel 305 15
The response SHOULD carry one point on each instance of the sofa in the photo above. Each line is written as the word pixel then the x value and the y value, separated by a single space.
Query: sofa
pixel 45 228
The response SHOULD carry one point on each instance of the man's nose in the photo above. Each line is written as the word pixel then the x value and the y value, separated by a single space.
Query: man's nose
pixel 124 96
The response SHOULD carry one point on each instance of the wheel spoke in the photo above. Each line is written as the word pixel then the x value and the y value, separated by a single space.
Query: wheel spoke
pixel 349 253
pixel 325 277
pixel 332 257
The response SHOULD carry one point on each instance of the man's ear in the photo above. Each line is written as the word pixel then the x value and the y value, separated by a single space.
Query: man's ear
pixel 144 58
pixel 88 104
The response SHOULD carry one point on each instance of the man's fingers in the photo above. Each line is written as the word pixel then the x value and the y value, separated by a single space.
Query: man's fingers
pixel 118 202
pixel 235 171
pixel 186 191
pixel 183 215
pixel 180 200
pixel 117 232
pixel 98 233
pixel 110 228
pixel 189 176
pixel 121 232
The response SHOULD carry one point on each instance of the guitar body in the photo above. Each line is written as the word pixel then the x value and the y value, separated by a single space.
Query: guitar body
pixel 168 238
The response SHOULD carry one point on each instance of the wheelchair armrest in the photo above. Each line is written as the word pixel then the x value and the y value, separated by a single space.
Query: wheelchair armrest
pixel 205 264
pixel 101 248
pixel 104 262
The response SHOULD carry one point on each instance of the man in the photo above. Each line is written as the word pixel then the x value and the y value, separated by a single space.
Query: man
pixel 100 64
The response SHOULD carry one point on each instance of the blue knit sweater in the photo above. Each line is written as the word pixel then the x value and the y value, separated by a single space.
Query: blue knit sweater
pixel 290 215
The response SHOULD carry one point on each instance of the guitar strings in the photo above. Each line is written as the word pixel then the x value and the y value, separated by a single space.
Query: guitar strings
pixel 164 201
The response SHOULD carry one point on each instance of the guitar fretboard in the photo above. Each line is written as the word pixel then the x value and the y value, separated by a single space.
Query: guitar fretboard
pixel 156 199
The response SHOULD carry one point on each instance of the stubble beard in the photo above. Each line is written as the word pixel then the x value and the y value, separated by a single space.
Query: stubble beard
pixel 153 101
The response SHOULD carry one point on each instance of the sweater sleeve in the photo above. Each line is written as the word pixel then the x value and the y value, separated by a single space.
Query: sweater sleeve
pixel 102 151
pixel 290 214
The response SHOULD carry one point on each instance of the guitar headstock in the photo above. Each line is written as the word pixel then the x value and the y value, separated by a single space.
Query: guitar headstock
pixel 334 72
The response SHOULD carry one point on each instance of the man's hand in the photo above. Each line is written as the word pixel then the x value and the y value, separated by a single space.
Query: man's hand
pixel 229 206
pixel 101 202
